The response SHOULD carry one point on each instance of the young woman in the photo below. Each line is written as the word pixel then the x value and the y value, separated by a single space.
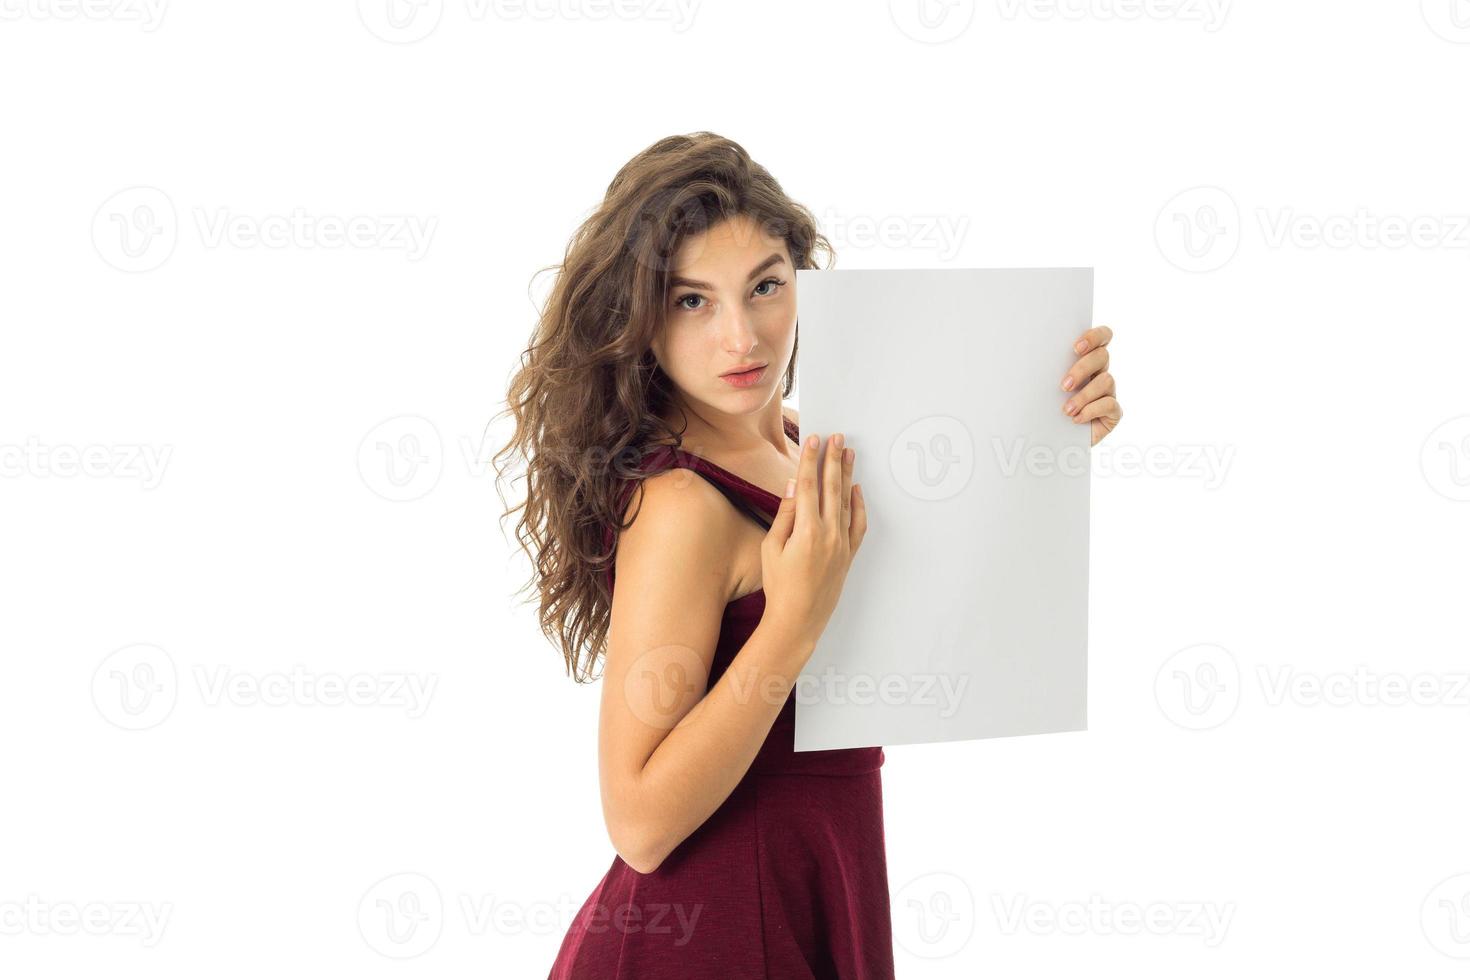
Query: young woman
pixel 703 580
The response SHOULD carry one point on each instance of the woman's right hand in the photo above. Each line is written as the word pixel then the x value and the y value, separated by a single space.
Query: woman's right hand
pixel 811 543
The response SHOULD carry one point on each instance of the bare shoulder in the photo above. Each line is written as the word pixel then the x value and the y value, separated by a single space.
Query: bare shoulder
pixel 675 553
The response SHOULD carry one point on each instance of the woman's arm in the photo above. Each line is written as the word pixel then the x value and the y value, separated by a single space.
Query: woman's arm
pixel 669 752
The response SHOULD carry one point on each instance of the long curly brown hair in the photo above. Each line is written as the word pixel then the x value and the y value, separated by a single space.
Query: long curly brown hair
pixel 588 395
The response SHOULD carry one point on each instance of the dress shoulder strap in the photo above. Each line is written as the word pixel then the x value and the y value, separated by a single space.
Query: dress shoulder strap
pixel 755 502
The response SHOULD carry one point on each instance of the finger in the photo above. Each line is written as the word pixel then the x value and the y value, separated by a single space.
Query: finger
pixel 1087 365
pixel 859 529
pixel 1093 339
pixel 808 506
pixel 832 480
pixel 1103 384
pixel 1101 427
pixel 1106 407
pixel 1106 422
pixel 785 519
pixel 849 457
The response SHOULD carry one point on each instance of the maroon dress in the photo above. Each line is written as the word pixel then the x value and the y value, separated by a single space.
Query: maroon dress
pixel 787 880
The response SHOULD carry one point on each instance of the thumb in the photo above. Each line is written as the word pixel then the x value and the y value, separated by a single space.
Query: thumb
pixel 785 518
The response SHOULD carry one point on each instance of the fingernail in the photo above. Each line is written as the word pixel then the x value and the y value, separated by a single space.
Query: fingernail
pixel 1068 408
pixel 1080 346
pixel 1067 383
pixel 790 488
pixel 811 441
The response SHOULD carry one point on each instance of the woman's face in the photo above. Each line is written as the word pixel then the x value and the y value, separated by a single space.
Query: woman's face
pixel 731 304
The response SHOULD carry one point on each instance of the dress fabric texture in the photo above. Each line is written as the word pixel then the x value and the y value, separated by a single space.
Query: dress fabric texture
pixel 787 880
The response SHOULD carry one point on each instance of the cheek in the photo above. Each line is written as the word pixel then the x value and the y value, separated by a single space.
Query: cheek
pixel 779 325
pixel 680 348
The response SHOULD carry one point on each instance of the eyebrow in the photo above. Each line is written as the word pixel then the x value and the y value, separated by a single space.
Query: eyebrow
pixel 774 259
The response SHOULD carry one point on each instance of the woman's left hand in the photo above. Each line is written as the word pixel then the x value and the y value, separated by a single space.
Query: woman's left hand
pixel 1094 393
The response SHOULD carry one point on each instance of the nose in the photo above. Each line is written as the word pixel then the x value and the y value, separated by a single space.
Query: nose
pixel 736 333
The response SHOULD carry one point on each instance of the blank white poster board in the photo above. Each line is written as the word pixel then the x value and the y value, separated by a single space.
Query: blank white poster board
pixel 964 614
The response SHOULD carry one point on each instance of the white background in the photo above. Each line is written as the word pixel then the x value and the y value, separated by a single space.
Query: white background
pixel 1302 403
